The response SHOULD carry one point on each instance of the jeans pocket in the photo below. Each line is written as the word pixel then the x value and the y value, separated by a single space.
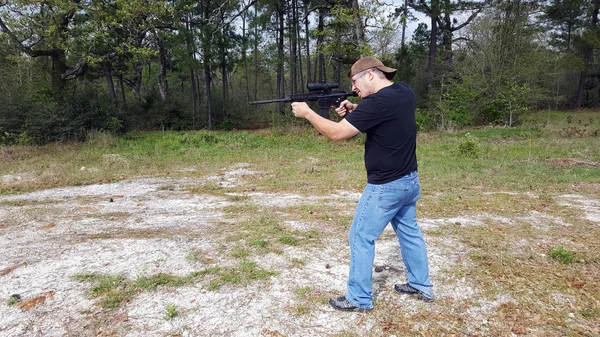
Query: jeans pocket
pixel 393 196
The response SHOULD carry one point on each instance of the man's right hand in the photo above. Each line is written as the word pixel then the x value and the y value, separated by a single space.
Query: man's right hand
pixel 345 107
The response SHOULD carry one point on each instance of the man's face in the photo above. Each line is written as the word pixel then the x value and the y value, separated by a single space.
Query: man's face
pixel 360 83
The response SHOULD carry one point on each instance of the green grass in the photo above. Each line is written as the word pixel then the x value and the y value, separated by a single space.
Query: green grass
pixel 298 159
pixel 112 291
pixel 244 273
pixel 562 255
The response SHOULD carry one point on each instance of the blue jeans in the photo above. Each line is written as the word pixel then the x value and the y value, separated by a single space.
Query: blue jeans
pixel 379 205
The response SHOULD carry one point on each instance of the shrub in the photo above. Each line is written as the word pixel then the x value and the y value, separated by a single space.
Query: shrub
pixel 469 147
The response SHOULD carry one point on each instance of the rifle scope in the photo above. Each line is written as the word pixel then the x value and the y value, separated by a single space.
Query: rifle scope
pixel 322 86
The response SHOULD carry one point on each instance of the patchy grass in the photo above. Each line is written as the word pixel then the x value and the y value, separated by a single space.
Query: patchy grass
pixel 562 255
pixel 115 290
pixel 530 248
pixel 245 273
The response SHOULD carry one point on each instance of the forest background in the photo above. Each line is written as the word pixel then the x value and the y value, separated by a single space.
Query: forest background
pixel 73 67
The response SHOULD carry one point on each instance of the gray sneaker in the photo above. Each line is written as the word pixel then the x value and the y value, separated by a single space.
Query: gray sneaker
pixel 408 290
pixel 342 304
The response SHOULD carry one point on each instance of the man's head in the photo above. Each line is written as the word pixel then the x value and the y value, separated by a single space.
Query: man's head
pixel 368 75
pixel 368 63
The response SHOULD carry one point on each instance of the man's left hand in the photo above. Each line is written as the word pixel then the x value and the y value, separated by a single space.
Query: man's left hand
pixel 301 109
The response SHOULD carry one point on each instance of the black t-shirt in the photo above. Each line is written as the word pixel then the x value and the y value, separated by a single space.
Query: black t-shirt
pixel 388 118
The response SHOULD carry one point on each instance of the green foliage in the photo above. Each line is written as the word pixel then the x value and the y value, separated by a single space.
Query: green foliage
pixel 511 100
pixel 469 147
pixel 114 290
pixel 288 240
pixel 457 104
pixel 562 255
pixel 170 312
pixel 13 300
pixel 424 120
pixel 244 273
pixel 156 114
pixel 41 118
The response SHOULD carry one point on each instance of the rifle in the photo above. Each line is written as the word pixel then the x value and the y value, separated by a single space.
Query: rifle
pixel 320 92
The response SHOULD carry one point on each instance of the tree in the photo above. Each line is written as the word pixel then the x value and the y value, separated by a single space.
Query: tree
pixel 564 19
pixel 590 40
pixel 444 22
pixel 41 29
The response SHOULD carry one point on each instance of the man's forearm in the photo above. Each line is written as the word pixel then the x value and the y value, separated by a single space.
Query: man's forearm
pixel 327 127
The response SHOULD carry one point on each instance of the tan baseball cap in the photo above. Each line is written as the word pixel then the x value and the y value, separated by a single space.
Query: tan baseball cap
pixel 368 63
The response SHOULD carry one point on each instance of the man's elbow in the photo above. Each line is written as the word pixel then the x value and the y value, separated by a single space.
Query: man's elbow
pixel 338 137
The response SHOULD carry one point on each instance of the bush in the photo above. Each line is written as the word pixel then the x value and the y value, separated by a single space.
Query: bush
pixel 469 147
pixel 40 118
pixel 424 120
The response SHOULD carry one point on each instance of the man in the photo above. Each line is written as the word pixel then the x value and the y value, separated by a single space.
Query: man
pixel 387 114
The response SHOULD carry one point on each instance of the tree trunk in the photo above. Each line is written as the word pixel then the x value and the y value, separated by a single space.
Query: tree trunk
pixel 163 85
pixel 122 90
pixel 299 50
pixel 293 25
pixel 308 70
pixel 110 86
pixel 432 55
pixel 404 21
pixel 359 26
pixel 588 61
pixel 59 67
pixel 193 77
pixel 280 54
pixel 206 60
pixel 255 56
pixel 320 60
pixel 244 56
pixel 223 59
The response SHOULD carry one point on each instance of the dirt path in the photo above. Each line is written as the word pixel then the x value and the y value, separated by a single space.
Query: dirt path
pixel 150 226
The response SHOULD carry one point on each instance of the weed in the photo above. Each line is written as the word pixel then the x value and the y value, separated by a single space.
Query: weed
pixel 245 273
pixel 469 147
pixel 301 309
pixel 150 283
pixel 13 300
pixel 562 255
pixel 288 240
pixel 258 242
pixel 298 263
pixel 170 312
pixel 114 290
pixel 303 292
pixel 237 198
pixel 239 252
pixel 196 255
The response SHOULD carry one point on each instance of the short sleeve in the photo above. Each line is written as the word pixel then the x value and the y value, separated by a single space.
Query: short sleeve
pixel 365 116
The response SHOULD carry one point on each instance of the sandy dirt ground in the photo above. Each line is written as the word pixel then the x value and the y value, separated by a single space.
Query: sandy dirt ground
pixel 149 226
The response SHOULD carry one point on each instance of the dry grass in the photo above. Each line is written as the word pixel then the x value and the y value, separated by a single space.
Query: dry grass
pixel 9 270
pixel 33 302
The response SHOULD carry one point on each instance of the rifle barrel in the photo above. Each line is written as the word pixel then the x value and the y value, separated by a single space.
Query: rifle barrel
pixel 271 101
